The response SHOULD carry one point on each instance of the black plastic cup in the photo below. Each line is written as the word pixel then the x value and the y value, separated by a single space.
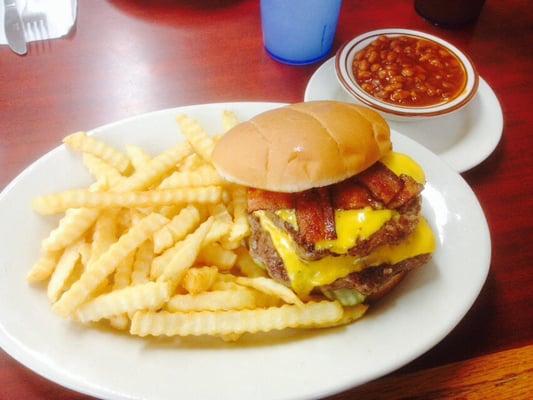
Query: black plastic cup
pixel 449 13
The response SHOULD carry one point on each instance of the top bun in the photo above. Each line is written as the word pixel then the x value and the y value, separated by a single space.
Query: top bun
pixel 302 146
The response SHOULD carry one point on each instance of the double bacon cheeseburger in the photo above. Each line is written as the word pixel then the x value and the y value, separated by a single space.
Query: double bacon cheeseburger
pixel 333 210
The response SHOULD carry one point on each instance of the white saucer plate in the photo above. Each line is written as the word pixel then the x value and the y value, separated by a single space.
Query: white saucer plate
pixel 463 139
pixel 291 364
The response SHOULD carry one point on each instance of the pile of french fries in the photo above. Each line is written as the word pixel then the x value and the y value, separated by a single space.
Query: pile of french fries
pixel 155 246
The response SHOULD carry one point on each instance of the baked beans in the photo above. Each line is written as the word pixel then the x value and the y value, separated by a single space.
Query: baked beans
pixel 409 71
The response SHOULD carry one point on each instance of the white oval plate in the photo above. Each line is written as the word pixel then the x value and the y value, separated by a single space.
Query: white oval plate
pixel 283 365
pixel 463 139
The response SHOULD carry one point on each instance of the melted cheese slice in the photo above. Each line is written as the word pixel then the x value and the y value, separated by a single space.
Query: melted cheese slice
pixel 421 241
pixel 288 215
pixel 353 226
pixel 402 164
pixel 305 275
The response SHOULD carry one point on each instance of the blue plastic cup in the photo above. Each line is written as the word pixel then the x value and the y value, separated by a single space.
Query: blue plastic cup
pixel 299 32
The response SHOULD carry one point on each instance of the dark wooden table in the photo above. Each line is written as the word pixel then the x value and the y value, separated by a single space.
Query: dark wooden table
pixel 127 57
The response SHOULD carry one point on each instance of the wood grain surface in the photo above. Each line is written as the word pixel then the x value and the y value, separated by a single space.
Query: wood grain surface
pixel 503 375
pixel 127 57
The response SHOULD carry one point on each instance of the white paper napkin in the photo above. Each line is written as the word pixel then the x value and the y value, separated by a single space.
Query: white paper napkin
pixel 60 17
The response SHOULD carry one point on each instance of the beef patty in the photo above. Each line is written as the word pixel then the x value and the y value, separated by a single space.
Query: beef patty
pixel 369 280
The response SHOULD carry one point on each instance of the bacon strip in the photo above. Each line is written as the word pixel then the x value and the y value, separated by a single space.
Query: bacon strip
pixel 350 195
pixel 315 208
pixel 381 182
pixel 315 215
pixel 271 201
pixel 410 190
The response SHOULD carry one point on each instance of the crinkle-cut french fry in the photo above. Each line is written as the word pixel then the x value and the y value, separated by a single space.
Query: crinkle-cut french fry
pixel 71 227
pixel 197 280
pixel 120 322
pixel 155 169
pixel 138 157
pixel 198 138
pixel 122 276
pixel 271 287
pixel 227 322
pixel 224 285
pixel 159 262
pixel 64 268
pixel 104 235
pixel 218 230
pixel 163 259
pixel 146 296
pixel 240 228
pixel 225 222
pixel 231 337
pixel 87 144
pixel 222 226
pixel 85 254
pixel 191 163
pixel 225 277
pixel 350 314
pixel 99 169
pixel 213 301
pixel 229 120
pixel 141 265
pixel 148 210
pixel 264 300
pixel 204 176
pixel 187 219
pixel 59 202
pixel 162 240
pixel 107 263
pixel 247 265
pixel 229 282
pixel 184 258
pixel 169 211
pixel 103 288
pixel 74 275
pixel 229 244
pixel 202 209
pixel 124 220
pixel 100 185
pixel 136 216
pixel 220 212
pixel 214 254
pixel 44 266
pixel 226 196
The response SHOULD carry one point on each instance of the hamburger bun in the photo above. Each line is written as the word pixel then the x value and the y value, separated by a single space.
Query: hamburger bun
pixel 302 146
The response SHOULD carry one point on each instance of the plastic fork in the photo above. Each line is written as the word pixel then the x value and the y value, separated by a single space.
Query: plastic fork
pixel 35 22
